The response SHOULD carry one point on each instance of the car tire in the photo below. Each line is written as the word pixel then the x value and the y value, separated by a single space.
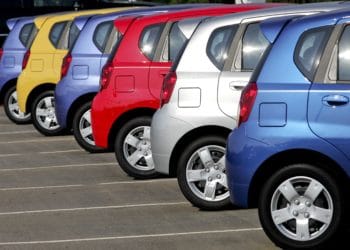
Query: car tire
pixel 44 116
pixel 12 110
pixel 297 195
pixel 204 184
pixel 133 148
pixel 82 129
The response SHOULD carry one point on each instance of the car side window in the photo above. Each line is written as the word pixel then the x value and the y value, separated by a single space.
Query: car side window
pixel 56 32
pixel 219 43
pixel 253 46
pixel 176 41
pixel 25 33
pixel 73 35
pixel 309 50
pixel 101 35
pixel 149 39
pixel 343 72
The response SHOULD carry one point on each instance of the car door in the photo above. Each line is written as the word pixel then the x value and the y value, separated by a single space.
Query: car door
pixel 246 49
pixel 329 99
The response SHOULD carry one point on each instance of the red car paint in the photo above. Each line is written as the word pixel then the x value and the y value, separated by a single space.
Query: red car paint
pixel 134 84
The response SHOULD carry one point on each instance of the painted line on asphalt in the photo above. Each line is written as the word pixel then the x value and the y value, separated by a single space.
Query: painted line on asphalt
pixel 62 151
pixel 93 208
pixel 18 132
pixel 9 155
pixel 39 140
pixel 239 230
pixel 59 166
pixel 85 185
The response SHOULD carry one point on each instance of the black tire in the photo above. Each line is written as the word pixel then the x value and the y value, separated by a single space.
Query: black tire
pixel 141 170
pixel 14 115
pixel 78 123
pixel 196 195
pixel 38 120
pixel 298 172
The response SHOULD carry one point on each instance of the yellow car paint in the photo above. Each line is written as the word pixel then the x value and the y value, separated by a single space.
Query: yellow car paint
pixel 45 60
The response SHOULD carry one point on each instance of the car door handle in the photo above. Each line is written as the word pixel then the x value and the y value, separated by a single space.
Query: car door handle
pixel 335 100
pixel 238 86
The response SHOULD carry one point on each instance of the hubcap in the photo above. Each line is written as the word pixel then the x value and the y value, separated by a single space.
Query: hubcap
pixel 206 173
pixel 85 128
pixel 137 148
pixel 45 113
pixel 301 208
pixel 14 108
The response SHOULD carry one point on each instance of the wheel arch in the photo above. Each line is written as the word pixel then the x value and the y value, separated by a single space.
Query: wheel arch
pixel 37 91
pixel 6 87
pixel 123 119
pixel 190 136
pixel 295 156
pixel 81 100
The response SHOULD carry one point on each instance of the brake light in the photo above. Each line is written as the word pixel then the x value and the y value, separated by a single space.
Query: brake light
pixel 25 59
pixel 247 101
pixel 106 74
pixel 65 65
pixel 1 52
pixel 168 87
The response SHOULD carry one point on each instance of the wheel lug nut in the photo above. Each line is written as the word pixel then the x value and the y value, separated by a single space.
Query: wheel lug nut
pixel 297 202
pixel 210 179
pixel 216 167
pixel 308 204
pixel 207 170
pixel 218 176
pixel 295 213
pixel 145 153
pixel 306 215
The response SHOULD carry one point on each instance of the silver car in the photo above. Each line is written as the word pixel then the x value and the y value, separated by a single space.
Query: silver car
pixel 200 98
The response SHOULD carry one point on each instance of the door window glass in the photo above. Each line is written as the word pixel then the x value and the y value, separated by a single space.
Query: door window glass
pixel 56 33
pixel 101 35
pixel 25 33
pixel 344 56
pixel 149 40
pixel 176 41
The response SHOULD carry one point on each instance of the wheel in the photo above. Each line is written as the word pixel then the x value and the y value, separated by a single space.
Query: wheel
pixel 201 173
pixel 12 110
pixel 82 129
pixel 44 116
pixel 133 148
pixel 301 206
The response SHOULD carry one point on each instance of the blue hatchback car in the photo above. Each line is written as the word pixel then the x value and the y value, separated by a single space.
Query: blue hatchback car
pixel 22 33
pixel 82 68
pixel 290 155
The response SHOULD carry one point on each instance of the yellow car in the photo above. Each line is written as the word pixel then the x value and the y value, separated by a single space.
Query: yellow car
pixel 42 68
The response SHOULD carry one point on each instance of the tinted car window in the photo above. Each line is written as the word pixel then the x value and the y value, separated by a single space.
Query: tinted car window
pixel 344 56
pixel 253 46
pixel 73 35
pixel 56 32
pixel 47 3
pixel 176 41
pixel 113 40
pixel 149 38
pixel 101 35
pixel 308 51
pixel 25 33
pixel 219 43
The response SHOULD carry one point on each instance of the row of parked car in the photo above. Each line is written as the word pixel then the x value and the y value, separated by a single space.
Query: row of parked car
pixel 162 88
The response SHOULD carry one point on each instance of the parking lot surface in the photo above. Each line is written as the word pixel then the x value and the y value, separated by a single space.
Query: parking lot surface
pixel 54 195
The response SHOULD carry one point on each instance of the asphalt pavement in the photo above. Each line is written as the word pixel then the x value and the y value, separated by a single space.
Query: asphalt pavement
pixel 54 195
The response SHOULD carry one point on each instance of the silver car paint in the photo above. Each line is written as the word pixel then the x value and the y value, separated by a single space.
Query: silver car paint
pixel 214 97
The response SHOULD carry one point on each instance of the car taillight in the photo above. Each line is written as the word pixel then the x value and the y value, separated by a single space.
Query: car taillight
pixel 247 101
pixel 65 65
pixel 168 87
pixel 1 52
pixel 106 74
pixel 25 59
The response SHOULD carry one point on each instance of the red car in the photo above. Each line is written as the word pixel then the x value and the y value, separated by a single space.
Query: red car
pixel 131 81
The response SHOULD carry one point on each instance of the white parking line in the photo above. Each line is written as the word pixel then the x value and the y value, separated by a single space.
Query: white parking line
pixel 84 185
pixel 9 155
pixel 45 152
pixel 93 208
pixel 59 166
pixel 39 140
pixel 18 132
pixel 239 230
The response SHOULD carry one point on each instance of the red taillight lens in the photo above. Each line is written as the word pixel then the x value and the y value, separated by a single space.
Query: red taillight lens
pixel 247 101
pixel 1 52
pixel 106 74
pixel 25 59
pixel 168 87
pixel 65 65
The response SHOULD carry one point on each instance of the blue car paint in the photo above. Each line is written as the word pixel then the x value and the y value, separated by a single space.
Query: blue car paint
pixel 82 79
pixel 13 52
pixel 308 127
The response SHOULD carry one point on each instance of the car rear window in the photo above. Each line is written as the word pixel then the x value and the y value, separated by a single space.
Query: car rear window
pixel 309 50
pixel 219 43
pixel 343 56
pixel 56 33
pixel 149 39
pixel 102 35
pixel 253 46
pixel 74 32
